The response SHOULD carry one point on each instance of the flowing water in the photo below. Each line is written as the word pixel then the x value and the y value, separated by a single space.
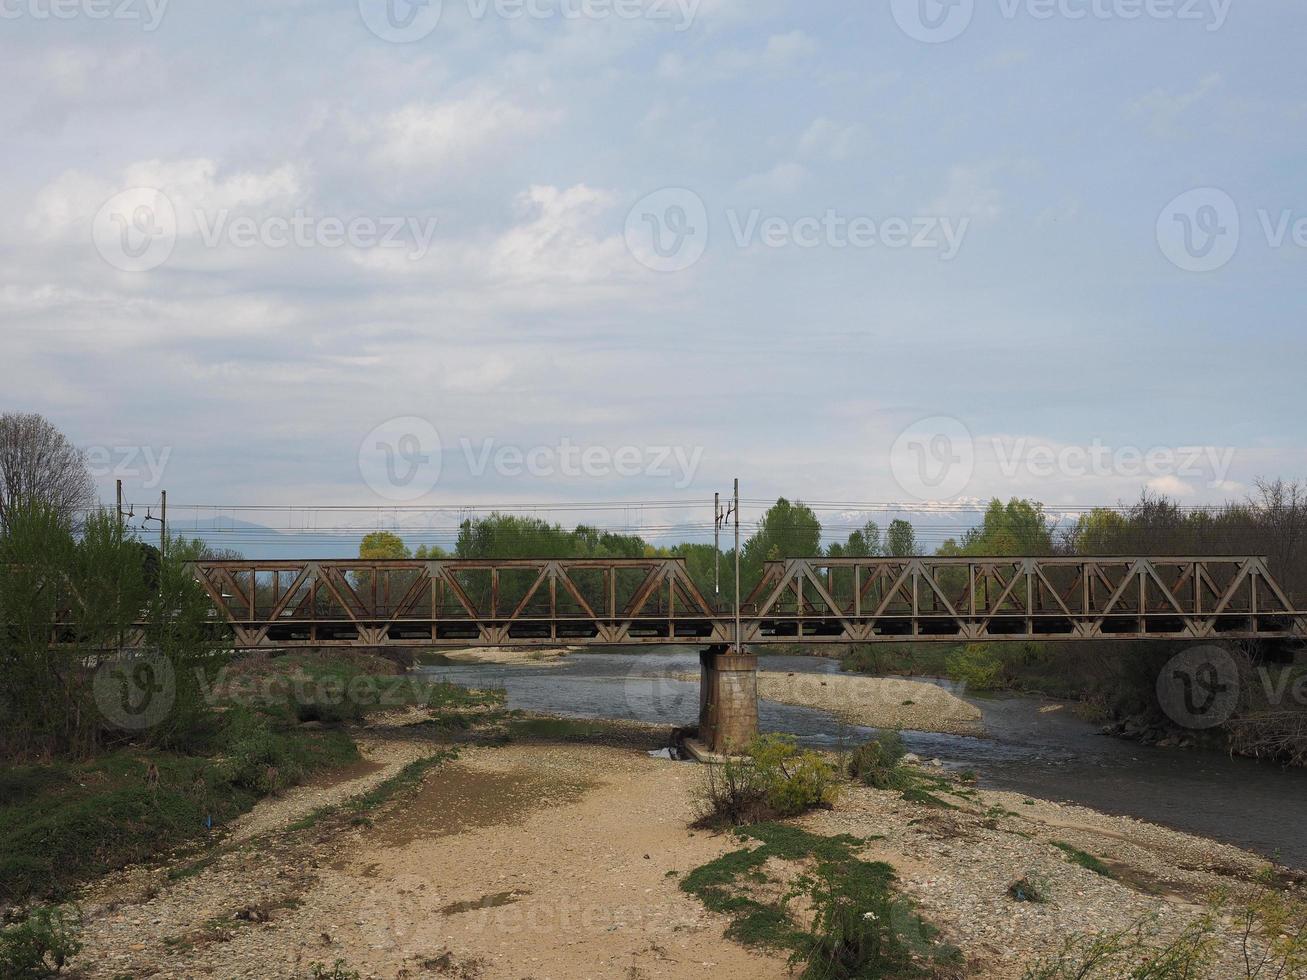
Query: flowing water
pixel 1050 753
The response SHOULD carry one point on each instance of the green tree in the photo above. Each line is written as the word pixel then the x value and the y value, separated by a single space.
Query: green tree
pixel 382 545
pixel 900 539
pixel 1015 528
pixel 862 543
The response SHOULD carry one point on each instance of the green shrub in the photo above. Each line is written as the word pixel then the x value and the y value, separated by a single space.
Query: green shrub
pixel 976 666
pixel 40 945
pixel 878 762
pixel 792 781
pixel 731 793
pixel 1084 859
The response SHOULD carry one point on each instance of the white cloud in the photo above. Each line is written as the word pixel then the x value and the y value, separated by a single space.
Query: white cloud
pixel 968 193
pixel 434 137
pixel 832 140
pixel 784 178
pixel 1165 109
pixel 780 54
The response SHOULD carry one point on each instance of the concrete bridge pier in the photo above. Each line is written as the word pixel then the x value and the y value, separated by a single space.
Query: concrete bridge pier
pixel 728 699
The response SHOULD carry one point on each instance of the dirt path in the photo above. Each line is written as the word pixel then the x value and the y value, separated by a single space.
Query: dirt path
pixel 563 859
pixel 530 860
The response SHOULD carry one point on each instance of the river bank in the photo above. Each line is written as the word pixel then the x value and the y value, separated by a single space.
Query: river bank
pixel 874 702
pixel 561 853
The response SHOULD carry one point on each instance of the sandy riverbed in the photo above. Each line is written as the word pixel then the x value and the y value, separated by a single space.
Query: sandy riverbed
pixel 509 656
pixel 878 702
pixel 558 861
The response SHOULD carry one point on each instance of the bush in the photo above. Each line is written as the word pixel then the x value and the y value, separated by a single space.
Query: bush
pixel 40 945
pixel 777 780
pixel 792 781
pixel 733 794
pixel 878 763
pixel 976 666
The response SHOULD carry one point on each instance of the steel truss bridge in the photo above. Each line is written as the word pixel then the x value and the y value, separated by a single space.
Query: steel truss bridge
pixel 542 602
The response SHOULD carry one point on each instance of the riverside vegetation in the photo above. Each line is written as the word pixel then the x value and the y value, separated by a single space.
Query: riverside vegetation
pixel 841 916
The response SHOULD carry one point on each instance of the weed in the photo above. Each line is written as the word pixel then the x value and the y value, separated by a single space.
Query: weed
pixel 337 971
pixel 40 945
pixel 1083 859
pixel 859 927
pixel 879 762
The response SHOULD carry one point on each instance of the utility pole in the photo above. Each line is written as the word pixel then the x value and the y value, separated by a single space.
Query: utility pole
pixel 738 648
pixel 120 503
pixel 163 525
pixel 716 544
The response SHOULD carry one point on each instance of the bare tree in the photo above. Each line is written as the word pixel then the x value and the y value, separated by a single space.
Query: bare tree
pixel 39 465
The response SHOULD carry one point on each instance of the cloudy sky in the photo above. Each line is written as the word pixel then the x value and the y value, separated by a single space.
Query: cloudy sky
pixel 536 251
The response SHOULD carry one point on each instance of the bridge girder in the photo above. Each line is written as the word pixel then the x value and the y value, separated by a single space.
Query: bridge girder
pixel 546 602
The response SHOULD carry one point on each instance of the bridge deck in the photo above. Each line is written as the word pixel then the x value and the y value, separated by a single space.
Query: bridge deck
pixel 526 602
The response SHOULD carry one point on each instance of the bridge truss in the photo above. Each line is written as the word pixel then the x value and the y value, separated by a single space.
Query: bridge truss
pixel 541 602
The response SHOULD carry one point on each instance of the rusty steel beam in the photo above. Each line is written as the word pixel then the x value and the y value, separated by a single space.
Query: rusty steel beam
pixel 541 602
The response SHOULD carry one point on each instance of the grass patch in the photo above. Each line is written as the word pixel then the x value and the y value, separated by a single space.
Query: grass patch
pixel 858 926
pixel 1083 859
pixel 67 823
pixel 408 778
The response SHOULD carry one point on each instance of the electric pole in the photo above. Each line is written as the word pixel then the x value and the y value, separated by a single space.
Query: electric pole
pixel 738 648
pixel 716 544
pixel 163 525
pixel 120 502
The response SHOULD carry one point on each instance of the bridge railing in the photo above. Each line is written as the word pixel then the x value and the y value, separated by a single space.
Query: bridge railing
pixel 868 599
pixel 458 602
pixel 523 602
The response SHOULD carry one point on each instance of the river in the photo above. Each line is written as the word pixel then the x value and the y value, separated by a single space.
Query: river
pixel 1049 754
